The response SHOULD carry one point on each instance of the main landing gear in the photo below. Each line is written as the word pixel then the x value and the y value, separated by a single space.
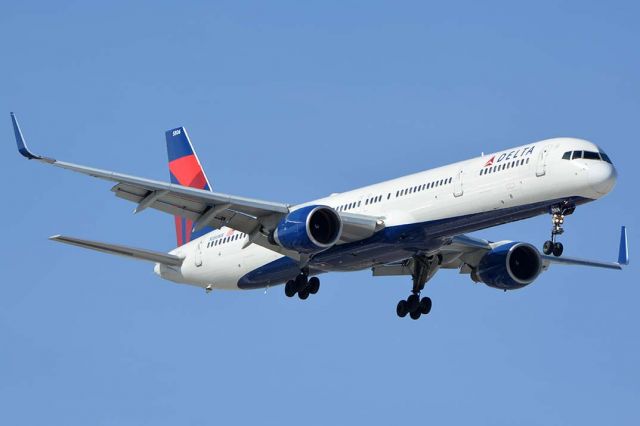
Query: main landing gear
pixel 303 285
pixel 557 219
pixel 423 269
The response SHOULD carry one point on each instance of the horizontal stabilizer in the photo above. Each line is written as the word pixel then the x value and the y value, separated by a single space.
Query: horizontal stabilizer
pixel 136 253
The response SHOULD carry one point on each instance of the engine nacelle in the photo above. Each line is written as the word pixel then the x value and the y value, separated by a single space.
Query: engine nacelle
pixel 509 266
pixel 309 229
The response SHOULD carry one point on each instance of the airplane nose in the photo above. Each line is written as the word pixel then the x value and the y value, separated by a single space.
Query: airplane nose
pixel 602 177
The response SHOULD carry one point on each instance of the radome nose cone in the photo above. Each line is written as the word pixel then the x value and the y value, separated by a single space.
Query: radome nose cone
pixel 602 177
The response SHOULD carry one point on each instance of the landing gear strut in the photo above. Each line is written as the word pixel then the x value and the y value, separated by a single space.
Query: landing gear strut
pixel 557 219
pixel 423 269
pixel 303 285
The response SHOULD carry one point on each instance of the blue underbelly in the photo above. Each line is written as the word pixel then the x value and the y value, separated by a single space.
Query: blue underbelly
pixel 393 244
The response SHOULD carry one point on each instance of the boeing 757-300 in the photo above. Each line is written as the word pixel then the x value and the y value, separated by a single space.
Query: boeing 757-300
pixel 414 225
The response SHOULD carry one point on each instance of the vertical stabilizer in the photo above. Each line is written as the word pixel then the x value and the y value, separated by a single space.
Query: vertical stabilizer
pixel 185 169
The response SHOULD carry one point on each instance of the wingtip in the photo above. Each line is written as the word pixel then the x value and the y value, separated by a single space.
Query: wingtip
pixel 623 254
pixel 22 145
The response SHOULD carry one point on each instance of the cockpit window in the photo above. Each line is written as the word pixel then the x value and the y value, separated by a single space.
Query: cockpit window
pixel 590 155
pixel 587 155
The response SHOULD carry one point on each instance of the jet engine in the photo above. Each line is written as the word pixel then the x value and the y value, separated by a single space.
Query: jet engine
pixel 310 229
pixel 509 266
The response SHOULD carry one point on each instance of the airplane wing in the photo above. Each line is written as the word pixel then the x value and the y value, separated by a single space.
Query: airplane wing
pixel 464 252
pixel 205 208
pixel 472 249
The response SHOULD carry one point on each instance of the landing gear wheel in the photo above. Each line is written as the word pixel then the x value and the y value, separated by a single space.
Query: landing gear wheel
pixel 303 294
pixel 425 305
pixel 547 247
pixel 558 249
pixel 313 285
pixel 402 309
pixel 413 302
pixel 301 282
pixel 290 288
pixel 415 314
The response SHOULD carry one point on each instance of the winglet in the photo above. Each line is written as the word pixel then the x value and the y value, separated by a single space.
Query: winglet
pixel 623 254
pixel 22 146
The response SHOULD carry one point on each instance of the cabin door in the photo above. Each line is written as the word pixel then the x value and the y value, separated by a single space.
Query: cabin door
pixel 457 184
pixel 541 164
pixel 198 256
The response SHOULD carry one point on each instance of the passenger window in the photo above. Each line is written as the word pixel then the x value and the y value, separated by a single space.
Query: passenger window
pixel 576 155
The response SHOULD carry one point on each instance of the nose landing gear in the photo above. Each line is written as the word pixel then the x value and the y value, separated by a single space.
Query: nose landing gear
pixel 558 214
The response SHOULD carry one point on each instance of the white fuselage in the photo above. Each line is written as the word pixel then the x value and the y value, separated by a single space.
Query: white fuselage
pixel 519 176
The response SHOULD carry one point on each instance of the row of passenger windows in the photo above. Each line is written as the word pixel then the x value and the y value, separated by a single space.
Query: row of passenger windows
pixel 368 201
pixel 399 193
pixel 505 166
pixel 586 155
pixel 424 186
pixel 220 241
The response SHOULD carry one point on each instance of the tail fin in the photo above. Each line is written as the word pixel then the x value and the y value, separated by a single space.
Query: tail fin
pixel 185 170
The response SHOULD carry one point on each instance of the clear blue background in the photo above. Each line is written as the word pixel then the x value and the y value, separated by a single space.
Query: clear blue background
pixel 289 101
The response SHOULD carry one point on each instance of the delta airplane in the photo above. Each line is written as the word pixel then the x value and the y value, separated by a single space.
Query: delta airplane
pixel 414 225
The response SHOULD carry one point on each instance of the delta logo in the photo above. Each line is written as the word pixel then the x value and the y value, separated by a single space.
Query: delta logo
pixel 511 155
pixel 490 162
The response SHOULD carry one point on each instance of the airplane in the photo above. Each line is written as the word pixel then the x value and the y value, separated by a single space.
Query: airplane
pixel 412 226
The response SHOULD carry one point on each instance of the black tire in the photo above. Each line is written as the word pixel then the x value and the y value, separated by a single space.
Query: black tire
pixel 301 282
pixel 290 288
pixel 413 302
pixel 415 314
pixel 303 294
pixel 402 309
pixel 313 285
pixel 547 247
pixel 425 305
pixel 558 248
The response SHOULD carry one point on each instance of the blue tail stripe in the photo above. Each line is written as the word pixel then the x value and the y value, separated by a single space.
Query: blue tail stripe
pixel 178 144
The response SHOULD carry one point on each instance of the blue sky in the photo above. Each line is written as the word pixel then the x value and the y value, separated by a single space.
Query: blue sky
pixel 289 101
